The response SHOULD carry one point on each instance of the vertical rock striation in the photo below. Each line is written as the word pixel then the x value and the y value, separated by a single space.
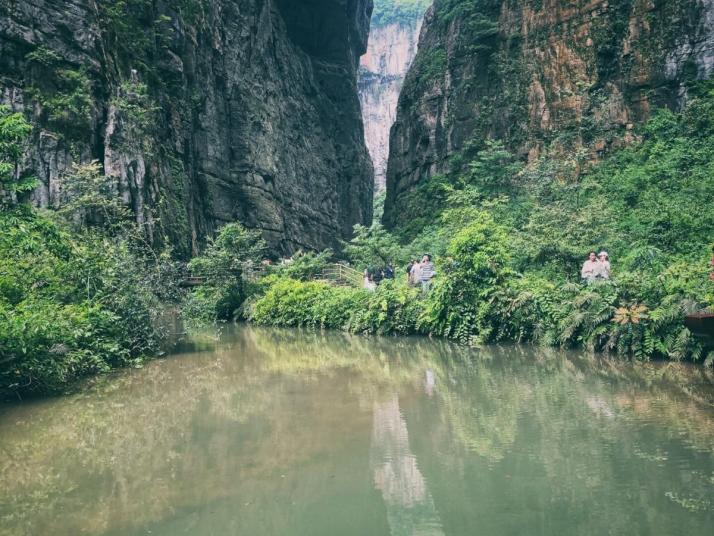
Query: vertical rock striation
pixel 391 49
pixel 544 76
pixel 201 111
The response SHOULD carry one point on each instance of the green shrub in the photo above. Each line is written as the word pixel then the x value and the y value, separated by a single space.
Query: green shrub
pixel 461 304
pixel 14 129
pixel 64 94
pixel 305 266
pixel 70 305
pixel 289 302
pixel 223 265
pixel 374 246
pixel 393 308
pixel 46 345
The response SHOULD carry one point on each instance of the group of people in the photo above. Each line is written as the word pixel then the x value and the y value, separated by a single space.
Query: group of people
pixel 373 276
pixel 421 272
pixel 596 267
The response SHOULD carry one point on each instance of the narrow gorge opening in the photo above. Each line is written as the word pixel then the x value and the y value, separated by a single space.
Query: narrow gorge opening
pixel 393 40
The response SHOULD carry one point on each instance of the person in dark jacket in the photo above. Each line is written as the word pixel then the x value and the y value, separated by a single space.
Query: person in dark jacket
pixel 377 275
pixel 409 271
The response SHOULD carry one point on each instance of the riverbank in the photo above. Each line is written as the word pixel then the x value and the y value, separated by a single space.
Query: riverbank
pixel 75 304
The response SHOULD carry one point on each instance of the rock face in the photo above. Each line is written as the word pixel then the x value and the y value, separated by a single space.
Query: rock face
pixel 390 51
pixel 201 111
pixel 545 76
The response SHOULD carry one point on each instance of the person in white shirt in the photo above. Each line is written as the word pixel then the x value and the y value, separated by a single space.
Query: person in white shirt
pixel 603 271
pixel 368 283
pixel 590 268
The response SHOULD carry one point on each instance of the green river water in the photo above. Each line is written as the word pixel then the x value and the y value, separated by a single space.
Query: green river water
pixel 287 432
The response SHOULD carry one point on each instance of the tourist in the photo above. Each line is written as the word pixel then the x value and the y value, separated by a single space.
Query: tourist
pixel 427 272
pixel 376 275
pixel 388 272
pixel 368 283
pixel 415 273
pixel 603 269
pixel 590 268
pixel 409 271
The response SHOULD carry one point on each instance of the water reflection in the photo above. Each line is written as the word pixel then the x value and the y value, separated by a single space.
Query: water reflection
pixel 303 433
pixel 410 507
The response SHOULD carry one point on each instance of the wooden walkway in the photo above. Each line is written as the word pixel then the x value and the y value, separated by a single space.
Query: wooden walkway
pixel 250 274
pixel 341 275
pixel 334 274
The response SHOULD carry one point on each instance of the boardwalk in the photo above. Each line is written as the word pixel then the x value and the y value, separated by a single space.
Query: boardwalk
pixel 334 274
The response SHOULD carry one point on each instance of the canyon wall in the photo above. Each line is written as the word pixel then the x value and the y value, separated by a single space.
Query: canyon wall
pixel 390 51
pixel 200 111
pixel 546 77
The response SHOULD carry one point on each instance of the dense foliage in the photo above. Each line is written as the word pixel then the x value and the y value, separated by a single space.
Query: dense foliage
pixel 14 128
pixel 80 289
pixel 223 266
pixel 398 11
pixel 510 239
pixel 72 304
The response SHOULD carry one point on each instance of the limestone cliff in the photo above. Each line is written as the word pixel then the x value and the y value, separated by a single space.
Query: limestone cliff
pixel 200 111
pixel 545 76
pixel 390 51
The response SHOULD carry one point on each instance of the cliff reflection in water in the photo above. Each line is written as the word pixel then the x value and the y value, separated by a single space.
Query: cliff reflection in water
pixel 410 507
pixel 296 432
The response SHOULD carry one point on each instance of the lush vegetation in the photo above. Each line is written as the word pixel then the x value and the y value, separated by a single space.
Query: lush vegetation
pixel 80 289
pixel 398 11
pixel 72 304
pixel 14 129
pixel 223 266
pixel 65 95
pixel 510 238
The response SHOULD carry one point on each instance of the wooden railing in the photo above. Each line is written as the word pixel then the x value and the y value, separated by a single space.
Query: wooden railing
pixel 193 281
pixel 340 274
pixel 250 273
pixel 334 274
